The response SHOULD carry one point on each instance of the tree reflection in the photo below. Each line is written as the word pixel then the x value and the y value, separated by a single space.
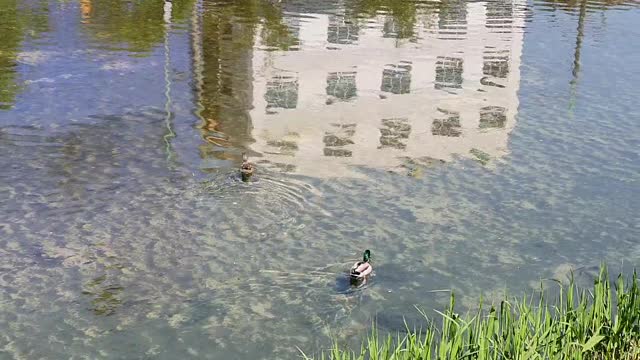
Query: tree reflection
pixel 581 5
pixel 228 36
pixel 19 21
pixel 136 26
pixel 572 5
pixel 402 15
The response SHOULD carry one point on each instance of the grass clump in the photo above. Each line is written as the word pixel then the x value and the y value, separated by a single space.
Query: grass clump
pixel 602 323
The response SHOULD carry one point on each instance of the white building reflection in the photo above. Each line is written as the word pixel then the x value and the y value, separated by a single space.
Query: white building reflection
pixel 353 95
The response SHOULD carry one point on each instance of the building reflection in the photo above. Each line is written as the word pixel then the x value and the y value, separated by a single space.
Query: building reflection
pixel 394 133
pixel 282 92
pixel 339 139
pixel 342 85
pixel 496 63
pixel 449 91
pixel 493 117
pixel 396 79
pixel 224 44
pixel 499 15
pixel 342 30
pixel 452 20
pixel 449 72
pixel 447 125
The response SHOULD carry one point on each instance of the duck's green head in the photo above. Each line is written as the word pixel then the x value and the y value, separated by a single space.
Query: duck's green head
pixel 366 255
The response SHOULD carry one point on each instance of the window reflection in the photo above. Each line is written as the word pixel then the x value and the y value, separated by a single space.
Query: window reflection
pixel 496 63
pixel 286 145
pixel 499 14
pixel 394 133
pixel 282 92
pixel 342 85
pixel 493 117
pixel 449 125
pixel 338 138
pixel 452 20
pixel 449 72
pixel 396 79
pixel 337 152
pixel 342 30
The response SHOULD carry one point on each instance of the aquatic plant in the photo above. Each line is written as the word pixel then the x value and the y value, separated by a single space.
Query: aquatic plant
pixel 601 323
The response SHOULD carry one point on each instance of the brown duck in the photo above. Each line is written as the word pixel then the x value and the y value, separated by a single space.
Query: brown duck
pixel 246 169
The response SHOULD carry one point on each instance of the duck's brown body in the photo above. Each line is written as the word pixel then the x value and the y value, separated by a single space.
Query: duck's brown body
pixel 246 169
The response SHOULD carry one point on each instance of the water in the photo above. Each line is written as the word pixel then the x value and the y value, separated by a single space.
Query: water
pixel 473 147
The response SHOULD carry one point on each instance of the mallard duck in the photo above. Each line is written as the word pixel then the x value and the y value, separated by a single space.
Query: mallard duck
pixel 361 269
pixel 247 168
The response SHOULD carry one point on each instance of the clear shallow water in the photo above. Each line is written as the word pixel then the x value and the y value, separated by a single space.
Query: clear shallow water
pixel 471 146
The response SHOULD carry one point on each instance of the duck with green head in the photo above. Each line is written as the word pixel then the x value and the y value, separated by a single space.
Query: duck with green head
pixel 361 269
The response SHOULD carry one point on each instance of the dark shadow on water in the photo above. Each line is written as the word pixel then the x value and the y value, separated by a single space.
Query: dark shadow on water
pixel 346 286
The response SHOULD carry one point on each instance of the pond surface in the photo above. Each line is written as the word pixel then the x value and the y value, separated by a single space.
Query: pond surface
pixel 472 146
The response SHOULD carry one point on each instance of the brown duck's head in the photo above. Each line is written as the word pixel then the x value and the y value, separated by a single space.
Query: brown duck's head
pixel 246 169
pixel 245 162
